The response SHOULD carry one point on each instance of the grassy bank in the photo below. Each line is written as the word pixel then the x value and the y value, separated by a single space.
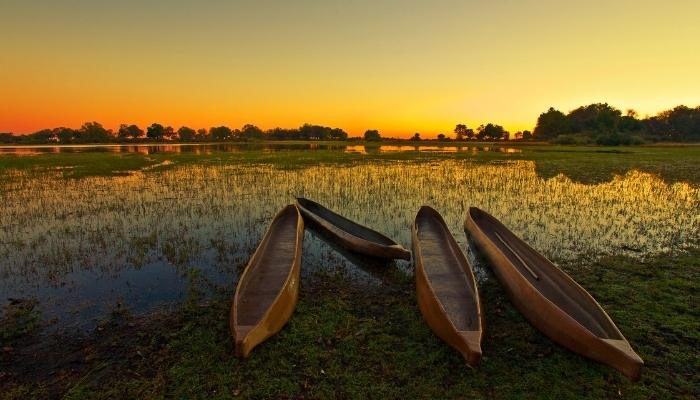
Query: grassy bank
pixel 347 340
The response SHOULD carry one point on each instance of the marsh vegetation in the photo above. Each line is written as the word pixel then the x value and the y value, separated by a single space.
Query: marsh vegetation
pixel 120 239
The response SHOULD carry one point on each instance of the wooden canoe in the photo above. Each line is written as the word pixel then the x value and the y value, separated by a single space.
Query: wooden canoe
pixel 446 289
pixel 549 298
pixel 268 290
pixel 379 268
pixel 349 234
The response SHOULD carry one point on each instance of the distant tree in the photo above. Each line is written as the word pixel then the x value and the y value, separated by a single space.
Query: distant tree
pixel 314 132
pixel 155 131
pixel 169 133
pixel 551 124
pixel 282 133
pixel 681 123
pixel 372 135
pixel 220 133
pixel 186 134
pixel 129 132
pixel 42 136
pixel 491 132
pixel 629 122
pixel 318 132
pixel 441 137
pixel 460 131
pixel 527 135
pixel 416 137
pixel 338 134
pixel 201 134
pixel 7 137
pixel 94 132
pixel 598 117
pixel 65 135
pixel 251 132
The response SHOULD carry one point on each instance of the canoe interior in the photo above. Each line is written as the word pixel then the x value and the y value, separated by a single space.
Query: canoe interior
pixel 345 224
pixel 446 268
pixel 553 283
pixel 270 271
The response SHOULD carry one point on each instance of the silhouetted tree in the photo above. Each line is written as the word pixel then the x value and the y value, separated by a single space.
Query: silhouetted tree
pixel 317 132
pixel 527 135
pixel 460 131
pixel 251 132
pixel 282 133
pixel 7 137
pixel 155 131
pixel 551 124
pixel 681 123
pixel 441 137
pixel 65 135
pixel 220 133
pixel 201 134
pixel 491 131
pixel 416 137
pixel 129 132
pixel 598 117
pixel 94 132
pixel 169 133
pixel 372 135
pixel 186 134
pixel 338 134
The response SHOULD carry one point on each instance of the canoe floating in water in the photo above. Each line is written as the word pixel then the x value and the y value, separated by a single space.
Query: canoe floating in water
pixel 549 298
pixel 268 290
pixel 349 234
pixel 446 289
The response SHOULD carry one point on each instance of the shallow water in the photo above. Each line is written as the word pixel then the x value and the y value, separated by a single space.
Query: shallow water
pixel 198 148
pixel 84 246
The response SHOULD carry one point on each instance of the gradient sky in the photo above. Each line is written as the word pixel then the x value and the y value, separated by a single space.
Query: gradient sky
pixel 397 66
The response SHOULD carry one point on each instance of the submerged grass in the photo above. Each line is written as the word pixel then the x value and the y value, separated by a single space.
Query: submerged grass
pixel 581 163
pixel 349 341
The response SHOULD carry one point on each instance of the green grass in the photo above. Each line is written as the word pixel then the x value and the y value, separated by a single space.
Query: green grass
pixel 581 163
pixel 350 341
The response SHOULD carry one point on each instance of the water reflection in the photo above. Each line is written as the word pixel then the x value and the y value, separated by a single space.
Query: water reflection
pixel 203 149
pixel 81 245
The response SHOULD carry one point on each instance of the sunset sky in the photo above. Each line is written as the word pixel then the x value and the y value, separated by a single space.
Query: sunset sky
pixel 397 66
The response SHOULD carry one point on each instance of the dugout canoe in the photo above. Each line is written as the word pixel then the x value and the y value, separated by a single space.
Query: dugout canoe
pixel 446 289
pixel 350 234
pixel 549 298
pixel 268 290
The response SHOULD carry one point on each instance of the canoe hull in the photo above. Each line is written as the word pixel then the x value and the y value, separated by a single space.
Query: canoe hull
pixel 548 317
pixel 352 242
pixel 246 337
pixel 467 343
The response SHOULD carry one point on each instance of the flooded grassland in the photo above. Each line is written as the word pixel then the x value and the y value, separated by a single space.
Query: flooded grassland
pixel 79 246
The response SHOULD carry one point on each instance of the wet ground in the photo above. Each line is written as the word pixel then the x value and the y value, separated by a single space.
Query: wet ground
pixel 81 248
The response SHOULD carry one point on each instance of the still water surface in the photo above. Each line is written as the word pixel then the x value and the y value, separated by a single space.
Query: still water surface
pixel 197 148
pixel 82 246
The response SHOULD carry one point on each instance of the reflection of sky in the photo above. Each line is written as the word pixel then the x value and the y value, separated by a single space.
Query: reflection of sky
pixel 197 148
pixel 81 245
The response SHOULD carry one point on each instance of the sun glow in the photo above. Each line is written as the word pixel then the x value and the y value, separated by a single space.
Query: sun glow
pixel 398 67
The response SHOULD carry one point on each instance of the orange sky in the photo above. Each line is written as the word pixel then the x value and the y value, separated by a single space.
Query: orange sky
pixel 397 66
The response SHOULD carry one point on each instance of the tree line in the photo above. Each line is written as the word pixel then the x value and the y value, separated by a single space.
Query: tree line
pixel 606 125
pixel 94 132
pixel 597 123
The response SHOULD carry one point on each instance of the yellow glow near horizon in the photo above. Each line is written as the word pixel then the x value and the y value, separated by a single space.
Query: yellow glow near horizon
pixel 397 66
